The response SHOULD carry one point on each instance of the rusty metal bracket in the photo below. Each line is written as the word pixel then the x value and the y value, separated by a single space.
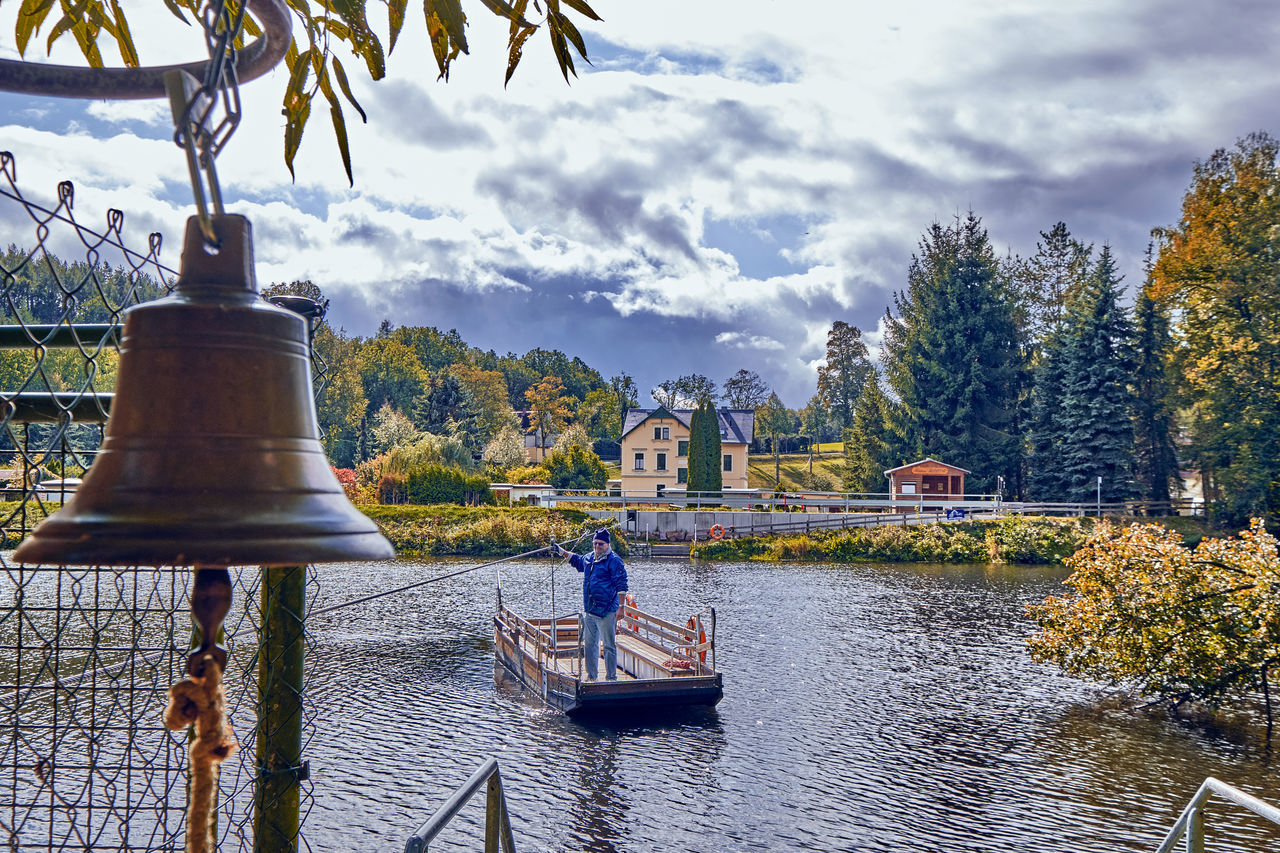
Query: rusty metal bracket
pixel 67 81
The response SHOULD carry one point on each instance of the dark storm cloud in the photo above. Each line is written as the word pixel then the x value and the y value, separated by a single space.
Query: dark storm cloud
pixel 420 121
pixel 609 200
pixel 366 233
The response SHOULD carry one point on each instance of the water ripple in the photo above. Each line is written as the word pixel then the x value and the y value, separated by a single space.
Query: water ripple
pixel 867 708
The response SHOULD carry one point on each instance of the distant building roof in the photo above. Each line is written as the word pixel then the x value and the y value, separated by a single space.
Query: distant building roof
pixel 737 426
pixel 922 462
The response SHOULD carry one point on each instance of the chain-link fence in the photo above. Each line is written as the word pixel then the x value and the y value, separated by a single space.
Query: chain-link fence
pixel 87 654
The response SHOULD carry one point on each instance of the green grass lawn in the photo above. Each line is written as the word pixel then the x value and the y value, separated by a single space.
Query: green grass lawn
pixel 793 469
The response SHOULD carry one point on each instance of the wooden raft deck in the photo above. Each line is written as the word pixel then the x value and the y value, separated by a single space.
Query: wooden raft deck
pixel 659 663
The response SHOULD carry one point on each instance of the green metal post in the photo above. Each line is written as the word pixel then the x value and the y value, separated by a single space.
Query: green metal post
pixel 280 683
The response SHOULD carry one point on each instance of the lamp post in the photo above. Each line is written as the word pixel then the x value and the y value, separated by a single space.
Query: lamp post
pixel 1099 496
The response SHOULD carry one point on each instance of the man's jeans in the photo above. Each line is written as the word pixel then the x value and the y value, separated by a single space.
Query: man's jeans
pixel 597 628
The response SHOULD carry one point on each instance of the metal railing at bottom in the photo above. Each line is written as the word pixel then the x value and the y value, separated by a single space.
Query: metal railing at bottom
pixel 1190 824
pixel 497 824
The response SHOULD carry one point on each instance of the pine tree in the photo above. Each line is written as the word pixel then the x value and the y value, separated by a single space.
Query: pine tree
pixel 866 449
pixel 1155 458
pixel 1059 266
pixel 1096 409
pixel 951 357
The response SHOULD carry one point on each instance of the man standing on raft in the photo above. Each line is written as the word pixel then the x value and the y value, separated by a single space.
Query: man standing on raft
pixel 604 579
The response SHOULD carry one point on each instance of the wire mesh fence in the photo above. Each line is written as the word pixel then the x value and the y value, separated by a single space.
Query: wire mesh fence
pixel 87 654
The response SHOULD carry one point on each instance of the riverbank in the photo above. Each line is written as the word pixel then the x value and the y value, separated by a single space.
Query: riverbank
pixel 490 531
pixel 445 530
pixel 500 531
pixel 1003 540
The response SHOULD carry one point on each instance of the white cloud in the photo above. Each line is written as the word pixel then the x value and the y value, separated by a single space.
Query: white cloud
pixel 737 340
pixel 859 123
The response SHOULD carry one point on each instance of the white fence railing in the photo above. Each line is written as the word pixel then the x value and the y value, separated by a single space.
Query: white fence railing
pixel 766 500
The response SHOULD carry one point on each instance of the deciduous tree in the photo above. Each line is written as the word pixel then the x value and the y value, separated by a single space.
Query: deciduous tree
pixel 845 371
pixel 390 373
pixel 314 68
pixel 506 449
pixel 686 392
pixel 745 390
pixel 599 415
pixel 548 407
pixel 1177 624
pixel 1217 270
pixel 628 397
pixel 775 419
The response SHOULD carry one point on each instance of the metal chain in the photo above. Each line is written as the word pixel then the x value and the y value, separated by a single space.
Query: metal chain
pixel 194 103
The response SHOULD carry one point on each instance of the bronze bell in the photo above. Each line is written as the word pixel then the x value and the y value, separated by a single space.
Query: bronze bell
pixel 211 455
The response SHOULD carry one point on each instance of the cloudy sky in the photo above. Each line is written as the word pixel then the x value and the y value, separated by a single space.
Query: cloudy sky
pixel 728 179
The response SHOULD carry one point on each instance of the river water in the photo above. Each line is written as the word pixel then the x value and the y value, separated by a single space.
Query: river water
pixel 866 708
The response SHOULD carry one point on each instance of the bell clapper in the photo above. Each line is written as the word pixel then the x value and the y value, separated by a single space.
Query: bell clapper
pixel 210 603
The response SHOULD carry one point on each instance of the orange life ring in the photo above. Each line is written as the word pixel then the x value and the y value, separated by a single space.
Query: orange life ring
pixel 716 532
pixel 692 625
pixel 629 600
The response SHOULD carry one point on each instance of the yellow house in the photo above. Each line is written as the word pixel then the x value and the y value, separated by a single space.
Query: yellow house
pixel 655 449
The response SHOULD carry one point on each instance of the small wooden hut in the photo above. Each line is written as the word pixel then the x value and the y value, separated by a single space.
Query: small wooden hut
pixel 927 478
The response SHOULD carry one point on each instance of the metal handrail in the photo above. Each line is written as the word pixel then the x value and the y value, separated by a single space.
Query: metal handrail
pixel 1190 823
pixel 497 823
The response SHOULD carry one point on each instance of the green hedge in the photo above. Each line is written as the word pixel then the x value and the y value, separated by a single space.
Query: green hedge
pixel 1006 540
pixel 451 530
pixel 439 484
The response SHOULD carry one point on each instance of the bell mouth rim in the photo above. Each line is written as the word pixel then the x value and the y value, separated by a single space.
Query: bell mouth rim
pixel 100 549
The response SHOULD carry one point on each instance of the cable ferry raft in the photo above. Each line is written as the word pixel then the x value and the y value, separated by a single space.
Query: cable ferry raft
pixel 660 664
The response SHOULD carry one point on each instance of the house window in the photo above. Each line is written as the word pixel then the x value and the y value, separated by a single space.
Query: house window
pixel 728 462
pixel 662 433
pixel 907 488
pixel 682 475
pixel 662 462
pixel 682 448
pixel 639 461
pixel 657 433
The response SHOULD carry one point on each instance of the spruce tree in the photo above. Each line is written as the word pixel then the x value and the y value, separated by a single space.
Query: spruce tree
pixel 1096 410
pixel 1155 459
pixel 1045 478
pixel 866 449
pixel 951 357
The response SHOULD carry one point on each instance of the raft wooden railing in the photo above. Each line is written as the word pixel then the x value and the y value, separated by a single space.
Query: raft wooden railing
pixel 675 640
pixel 1190 825
pixel 497 822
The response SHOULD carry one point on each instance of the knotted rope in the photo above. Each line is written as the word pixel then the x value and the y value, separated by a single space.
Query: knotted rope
pixel 200 700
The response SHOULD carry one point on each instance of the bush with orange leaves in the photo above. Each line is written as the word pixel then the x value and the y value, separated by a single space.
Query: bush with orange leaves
pixel 1178 624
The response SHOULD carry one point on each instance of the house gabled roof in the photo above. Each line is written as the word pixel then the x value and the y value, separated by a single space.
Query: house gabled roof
pixel 922 461
pixel 737 426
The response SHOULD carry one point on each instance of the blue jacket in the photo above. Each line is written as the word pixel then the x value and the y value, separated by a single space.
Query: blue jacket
pixel 602 580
